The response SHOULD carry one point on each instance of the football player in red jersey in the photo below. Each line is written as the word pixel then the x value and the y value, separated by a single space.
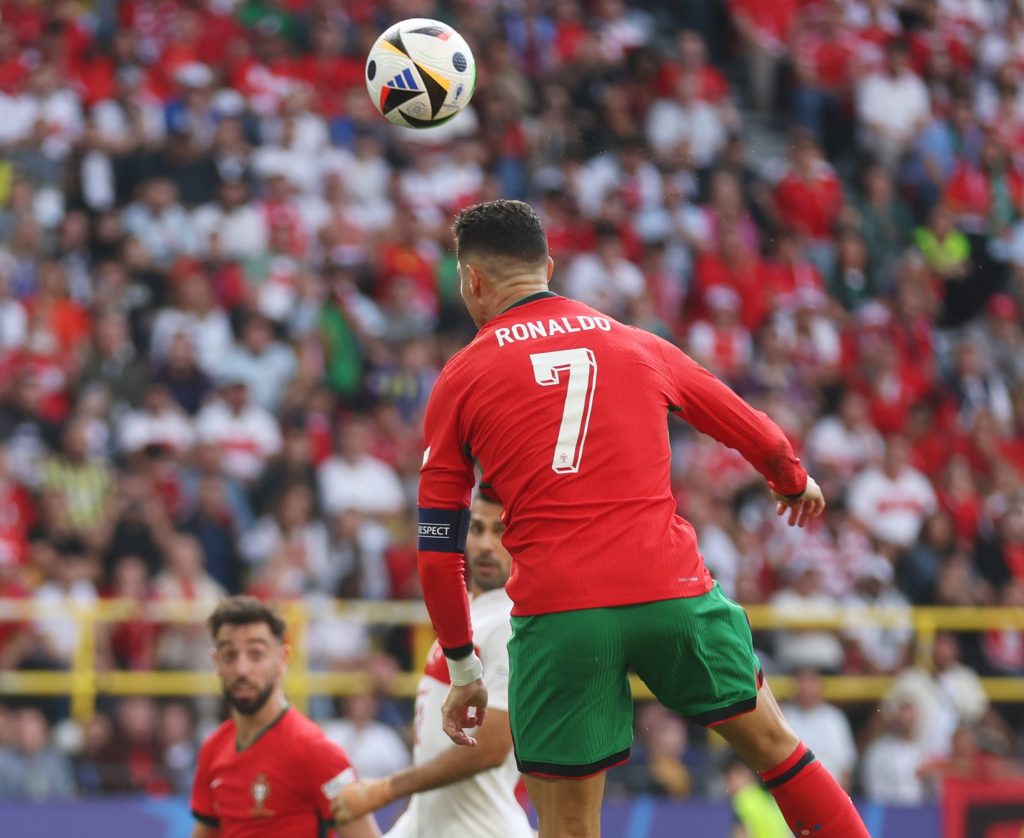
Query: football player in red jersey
pixel 564 409
pixel 268 770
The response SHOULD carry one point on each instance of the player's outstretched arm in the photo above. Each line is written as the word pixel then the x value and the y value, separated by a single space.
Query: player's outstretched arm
pixel 801 508
pixel 494 741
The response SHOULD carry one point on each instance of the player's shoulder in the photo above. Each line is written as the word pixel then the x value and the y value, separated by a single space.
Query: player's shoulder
pixel 223 736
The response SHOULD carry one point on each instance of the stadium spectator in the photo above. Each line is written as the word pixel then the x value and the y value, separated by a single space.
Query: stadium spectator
pixel 262 363
pixel 131 761
pixel 823 726
pixel 659 765
pixel 374 747
pixel 942 699
pixel 354 480
pixel 892 106
pixel 243 433
pixel 892 500
pixel 184 578
pixel 804 595
pixel 878 649
pixel 890 772
pixel 33 769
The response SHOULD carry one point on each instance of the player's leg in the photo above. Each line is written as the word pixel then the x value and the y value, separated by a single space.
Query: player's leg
pixel 810 798
pixel 567 808
pixel 697 656
pixel 571 714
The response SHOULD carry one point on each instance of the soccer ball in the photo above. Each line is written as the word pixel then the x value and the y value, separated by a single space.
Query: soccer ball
pixel 420 73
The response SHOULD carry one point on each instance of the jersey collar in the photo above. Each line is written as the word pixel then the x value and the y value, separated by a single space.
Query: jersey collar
pixel 538 295
pixel 259 733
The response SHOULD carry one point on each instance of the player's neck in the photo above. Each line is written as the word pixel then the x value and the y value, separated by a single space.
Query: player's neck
pixel 248 728
pixel 513 290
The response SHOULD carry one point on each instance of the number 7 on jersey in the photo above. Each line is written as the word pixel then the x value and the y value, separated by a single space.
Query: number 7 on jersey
pixel 581 367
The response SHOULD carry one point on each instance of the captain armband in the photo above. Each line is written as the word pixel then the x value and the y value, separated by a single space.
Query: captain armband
pixel 443 530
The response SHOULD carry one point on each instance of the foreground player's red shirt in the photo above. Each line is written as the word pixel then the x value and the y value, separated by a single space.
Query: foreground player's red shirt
pixel 566 412
pixel 274 786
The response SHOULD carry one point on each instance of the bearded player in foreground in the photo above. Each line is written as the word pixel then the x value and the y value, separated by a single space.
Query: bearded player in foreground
pixel 268 770
pixel 564 410
pixel 460 792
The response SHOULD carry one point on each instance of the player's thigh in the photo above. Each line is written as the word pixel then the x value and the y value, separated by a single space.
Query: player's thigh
pixel 696 655
pixel 762 737
pixel 570 707
pixel 567 807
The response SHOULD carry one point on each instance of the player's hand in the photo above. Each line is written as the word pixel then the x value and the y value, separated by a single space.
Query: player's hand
pixel 360 798
pixel 802 509
pixel 464 707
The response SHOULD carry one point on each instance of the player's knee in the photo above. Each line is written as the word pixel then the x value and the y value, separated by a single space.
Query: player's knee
pixel 773 742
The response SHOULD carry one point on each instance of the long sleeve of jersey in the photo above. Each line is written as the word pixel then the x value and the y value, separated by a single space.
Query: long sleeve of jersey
pixel 714 409
pixel 446 483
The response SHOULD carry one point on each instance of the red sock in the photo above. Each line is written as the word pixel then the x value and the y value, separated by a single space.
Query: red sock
pixel 810 799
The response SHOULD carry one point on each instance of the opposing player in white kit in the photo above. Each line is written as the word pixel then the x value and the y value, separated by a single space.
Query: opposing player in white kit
pixel 459 792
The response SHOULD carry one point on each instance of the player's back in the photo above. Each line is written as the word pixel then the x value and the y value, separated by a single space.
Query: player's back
pixel 566 412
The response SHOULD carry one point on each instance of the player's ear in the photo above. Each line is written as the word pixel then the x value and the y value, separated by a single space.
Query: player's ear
pixel 286 654
pixel 551 267
pixel 476 281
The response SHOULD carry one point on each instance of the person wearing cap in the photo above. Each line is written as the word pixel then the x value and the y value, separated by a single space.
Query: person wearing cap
pixel 881 648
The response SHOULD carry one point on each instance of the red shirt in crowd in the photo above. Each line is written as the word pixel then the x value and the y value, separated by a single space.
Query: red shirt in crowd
pixel 275 786
pixel 752 279
pixel 810 206
pixel 970 190
pixel 562 437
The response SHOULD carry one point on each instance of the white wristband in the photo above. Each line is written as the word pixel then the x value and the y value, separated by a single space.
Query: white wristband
pixel 465 670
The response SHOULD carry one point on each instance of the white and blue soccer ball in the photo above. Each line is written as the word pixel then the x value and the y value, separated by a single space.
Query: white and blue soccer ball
pixel 420 73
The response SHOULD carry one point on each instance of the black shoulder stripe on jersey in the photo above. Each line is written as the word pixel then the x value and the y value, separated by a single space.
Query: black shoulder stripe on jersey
pixel 443 530
pixel 206 820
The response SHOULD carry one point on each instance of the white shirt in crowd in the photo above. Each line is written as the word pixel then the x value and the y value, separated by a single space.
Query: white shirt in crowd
pixel 889 771
pixel 845 449
pixel 169 428
pixel 483 805
pixel 813 649
pixel 242 230
pixel 13 324
pixel 209 334
pixel 699 126
pixel 605 287
pixel 885 646
pixel 826 731
pixel 246 440
pixel 62 632
pixel 370 486
pixel 944 701
pixel 897 105
pixel 375 750
pixel 892 509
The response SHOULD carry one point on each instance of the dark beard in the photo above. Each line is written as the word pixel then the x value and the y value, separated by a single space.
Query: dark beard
pixel 249 706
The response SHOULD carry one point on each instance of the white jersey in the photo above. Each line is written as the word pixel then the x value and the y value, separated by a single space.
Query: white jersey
pixel 482 806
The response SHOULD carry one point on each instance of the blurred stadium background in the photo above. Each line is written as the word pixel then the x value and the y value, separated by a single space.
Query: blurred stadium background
pixel 226 287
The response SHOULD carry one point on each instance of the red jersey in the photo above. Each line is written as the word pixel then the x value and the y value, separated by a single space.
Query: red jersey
pixel 564 410
pixel 273 787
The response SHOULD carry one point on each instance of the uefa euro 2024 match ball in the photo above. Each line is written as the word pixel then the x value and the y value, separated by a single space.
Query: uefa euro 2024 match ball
pixel 420 73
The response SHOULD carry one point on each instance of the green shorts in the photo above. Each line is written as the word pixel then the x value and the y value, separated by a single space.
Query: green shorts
pixel 570 703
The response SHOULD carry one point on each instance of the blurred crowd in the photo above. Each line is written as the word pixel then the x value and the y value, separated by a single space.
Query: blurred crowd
pixel 227 286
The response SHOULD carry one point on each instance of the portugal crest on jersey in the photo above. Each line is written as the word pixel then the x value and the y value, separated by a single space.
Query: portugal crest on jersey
pixel 260 793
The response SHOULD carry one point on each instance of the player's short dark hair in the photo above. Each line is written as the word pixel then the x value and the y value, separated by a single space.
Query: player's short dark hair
pixel 503 228
pixel 242 610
